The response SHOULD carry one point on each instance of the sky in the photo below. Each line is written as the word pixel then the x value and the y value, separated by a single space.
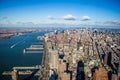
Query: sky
pixel 24 13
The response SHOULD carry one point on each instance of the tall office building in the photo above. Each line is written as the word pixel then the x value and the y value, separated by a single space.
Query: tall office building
pixel 14 75
pixel 100 74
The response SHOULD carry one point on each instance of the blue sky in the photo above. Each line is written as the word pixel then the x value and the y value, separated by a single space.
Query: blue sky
pixel 37 12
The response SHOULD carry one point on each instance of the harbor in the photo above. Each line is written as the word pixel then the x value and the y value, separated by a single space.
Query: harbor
pixel 30 70
pixel 16 56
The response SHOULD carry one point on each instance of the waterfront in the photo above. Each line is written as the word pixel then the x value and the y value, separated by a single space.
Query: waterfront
pixel 75 52
pixel 11 51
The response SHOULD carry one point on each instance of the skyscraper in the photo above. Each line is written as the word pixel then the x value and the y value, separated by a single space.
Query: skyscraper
pixel 100 74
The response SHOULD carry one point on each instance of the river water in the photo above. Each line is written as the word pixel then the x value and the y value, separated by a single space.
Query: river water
pixel 11 52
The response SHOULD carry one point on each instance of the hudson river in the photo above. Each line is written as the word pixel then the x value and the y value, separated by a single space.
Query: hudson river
pixel 11 52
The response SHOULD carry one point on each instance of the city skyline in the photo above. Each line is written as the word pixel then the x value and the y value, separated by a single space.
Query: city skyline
pixel 25 13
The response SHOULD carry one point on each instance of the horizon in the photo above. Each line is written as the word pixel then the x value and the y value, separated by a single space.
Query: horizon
pixel 45 13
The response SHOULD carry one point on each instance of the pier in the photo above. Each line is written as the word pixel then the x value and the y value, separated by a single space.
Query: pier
pixel 30 71
pixel 27 72
pixel 34 49
pixel 28 68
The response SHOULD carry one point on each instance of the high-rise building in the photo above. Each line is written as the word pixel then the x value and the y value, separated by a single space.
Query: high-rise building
pixel 14 75
pixel 80 71
pixel 114 77
pixel 106 58
pixel 119 70
pixel 100 74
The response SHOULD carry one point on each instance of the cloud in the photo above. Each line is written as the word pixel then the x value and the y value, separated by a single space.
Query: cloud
pixel 4 18
pixel 113 22
pixel 85 18
pixel 50 17
pixel 25 23
pixel 68 17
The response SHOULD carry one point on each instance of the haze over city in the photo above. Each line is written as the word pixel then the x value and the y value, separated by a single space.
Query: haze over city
pixel 40 13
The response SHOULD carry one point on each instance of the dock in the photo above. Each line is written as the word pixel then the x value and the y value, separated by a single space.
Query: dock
pixel 29 71
pixel 25 70
pixel 22 68
pixel 34 49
